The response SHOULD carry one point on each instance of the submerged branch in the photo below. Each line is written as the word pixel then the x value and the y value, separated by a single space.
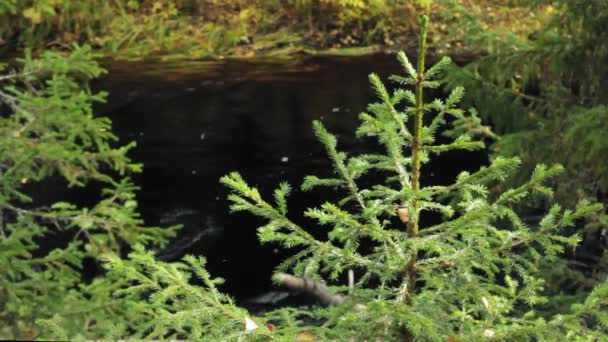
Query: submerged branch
pixel 309 286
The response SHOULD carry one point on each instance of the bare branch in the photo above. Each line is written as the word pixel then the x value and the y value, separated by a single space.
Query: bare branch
pixel 309 286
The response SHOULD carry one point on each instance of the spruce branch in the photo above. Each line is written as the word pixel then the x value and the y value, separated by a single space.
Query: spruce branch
pixel 339 159
pixel 283 230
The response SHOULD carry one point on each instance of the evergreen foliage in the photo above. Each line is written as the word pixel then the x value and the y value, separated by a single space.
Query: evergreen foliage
pixel 165 305
pixel 546 96
pixel 475 275
pixel 549 88
pixel 50 135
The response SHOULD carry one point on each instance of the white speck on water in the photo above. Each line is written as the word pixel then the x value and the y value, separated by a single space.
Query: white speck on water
pixel 193 172
pixel 335 109
pixel 203 136
pixel 190 89
pixel 217 198
pixel 284 159
pixel 141 134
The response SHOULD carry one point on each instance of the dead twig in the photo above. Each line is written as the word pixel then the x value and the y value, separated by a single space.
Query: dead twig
pixel 309 286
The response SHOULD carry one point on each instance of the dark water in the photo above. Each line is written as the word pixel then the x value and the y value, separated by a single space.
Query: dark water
pixel 196 122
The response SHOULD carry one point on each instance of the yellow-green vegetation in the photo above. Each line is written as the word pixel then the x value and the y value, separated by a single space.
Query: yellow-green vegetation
pixel 543 83
pixel 206 28
pixel 192 29
pixel 465 24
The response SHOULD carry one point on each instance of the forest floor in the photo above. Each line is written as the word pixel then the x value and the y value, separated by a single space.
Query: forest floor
pixel 217 30
pixel 453 23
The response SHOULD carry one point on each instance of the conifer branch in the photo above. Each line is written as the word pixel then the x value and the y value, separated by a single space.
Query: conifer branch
pixel 338 158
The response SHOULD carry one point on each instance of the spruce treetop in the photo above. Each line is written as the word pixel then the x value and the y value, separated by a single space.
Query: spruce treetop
pixel 475 274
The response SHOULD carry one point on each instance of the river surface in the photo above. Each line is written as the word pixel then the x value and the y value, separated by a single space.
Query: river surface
pixel 195 122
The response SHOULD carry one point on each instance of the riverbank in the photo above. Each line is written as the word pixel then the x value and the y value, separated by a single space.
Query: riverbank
pixel 248 29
